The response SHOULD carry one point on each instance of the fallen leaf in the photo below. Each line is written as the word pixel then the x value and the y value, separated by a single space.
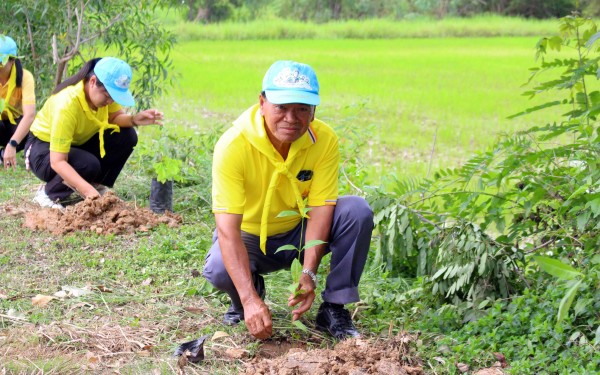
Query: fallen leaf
pixel 76 292
pixel 147 282
pixel 194 310
pixel 82 304
pixel 103 289
pixel 61 294
pixel 195 273
pixel 3 295
pixel 462 367
pixel 12 313
pixel 218 335
pixel 41 300
pixel 440 360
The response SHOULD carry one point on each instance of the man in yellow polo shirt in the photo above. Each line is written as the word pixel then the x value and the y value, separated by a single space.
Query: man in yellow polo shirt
pixel 278 157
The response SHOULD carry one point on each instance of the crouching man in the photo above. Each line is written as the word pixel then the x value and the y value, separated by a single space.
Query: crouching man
pixel 278 157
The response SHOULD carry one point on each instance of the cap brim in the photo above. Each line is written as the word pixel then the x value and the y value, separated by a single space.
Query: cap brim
pixel 292 96
pixel 123 98
pixel 4 58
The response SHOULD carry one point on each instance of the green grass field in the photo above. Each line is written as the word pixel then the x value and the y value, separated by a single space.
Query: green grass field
pixel 408 93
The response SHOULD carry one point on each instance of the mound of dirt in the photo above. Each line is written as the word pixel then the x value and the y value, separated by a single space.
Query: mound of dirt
pixel 107 214
pixel 349 357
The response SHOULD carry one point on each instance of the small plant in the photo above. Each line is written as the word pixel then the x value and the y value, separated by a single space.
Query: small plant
pixel 164 157
pixel 296 268
pixel 167 169
pixel 565 272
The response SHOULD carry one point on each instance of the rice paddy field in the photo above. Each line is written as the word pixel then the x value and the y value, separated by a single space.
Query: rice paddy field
pixel 422 103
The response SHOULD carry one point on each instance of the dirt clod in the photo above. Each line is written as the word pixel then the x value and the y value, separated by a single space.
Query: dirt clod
pixel 107 214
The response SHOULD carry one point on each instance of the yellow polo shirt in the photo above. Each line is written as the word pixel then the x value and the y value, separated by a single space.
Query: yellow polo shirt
pixel 245 162
pixel 63 121
pixel 21 96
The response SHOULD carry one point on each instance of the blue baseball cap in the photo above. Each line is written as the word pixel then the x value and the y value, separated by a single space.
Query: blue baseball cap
pixel 115 75
pixel 291 82
pixel 8 48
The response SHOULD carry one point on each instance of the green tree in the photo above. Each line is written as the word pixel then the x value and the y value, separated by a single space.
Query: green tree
pixel 472 231
pixel 56 37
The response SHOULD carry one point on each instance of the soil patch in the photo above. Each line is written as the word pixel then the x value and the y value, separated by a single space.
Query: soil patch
pixel 349 357
pixel 107 214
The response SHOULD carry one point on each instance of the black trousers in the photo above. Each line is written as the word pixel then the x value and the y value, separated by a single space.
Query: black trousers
pixel 85 159
pixel 7 130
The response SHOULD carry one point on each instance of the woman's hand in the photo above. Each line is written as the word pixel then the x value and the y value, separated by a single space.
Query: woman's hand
pixel 147 117
pixel 10 157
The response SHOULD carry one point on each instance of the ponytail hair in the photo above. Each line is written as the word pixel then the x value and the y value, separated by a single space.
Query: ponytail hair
pixel 19 72
pixel 83 74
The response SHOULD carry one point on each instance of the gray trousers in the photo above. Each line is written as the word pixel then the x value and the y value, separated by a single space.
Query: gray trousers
pixel 348 243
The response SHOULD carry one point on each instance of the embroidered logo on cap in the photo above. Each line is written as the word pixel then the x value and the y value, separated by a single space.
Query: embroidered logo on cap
pixel 292 79
pixel 122 82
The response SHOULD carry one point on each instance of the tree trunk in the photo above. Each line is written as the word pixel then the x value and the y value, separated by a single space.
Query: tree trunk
pixel 202 14
pixel 336 9
pixel 191 12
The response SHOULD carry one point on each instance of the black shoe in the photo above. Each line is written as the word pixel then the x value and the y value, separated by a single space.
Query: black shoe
pixel 235 315
pixel 336 320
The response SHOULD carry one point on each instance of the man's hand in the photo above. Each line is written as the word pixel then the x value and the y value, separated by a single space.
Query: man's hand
pixel 305 298
pixel 258 318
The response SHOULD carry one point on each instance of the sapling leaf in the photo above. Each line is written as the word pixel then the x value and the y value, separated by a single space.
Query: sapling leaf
pixel 305 211
pixel 1 104
pixel 168 169
pixel 312 243
pixel 299 292
pixel 287 214
pixel 293 287
pixel 296 270
pixel 285 248
pixel 298 324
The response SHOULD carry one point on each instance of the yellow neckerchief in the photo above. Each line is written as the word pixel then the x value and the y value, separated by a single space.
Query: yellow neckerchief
pixel 280 169
pixel 102 125
pixel 255 133
pixel 12 83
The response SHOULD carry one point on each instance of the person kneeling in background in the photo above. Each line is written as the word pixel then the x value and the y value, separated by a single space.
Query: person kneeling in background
pixel 17 103
pixel 82 138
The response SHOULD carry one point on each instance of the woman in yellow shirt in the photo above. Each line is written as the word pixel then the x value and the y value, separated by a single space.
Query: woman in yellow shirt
pixel 17 102
pixel 81 138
